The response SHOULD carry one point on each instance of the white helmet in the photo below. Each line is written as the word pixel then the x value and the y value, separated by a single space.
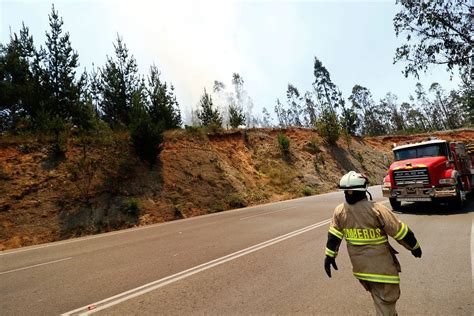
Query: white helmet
pixel 353 181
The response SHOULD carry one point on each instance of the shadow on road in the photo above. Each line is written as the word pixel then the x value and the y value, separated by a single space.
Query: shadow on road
pixel 435 208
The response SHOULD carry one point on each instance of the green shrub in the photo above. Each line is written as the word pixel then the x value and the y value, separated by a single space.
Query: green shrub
pixel 131 207
pixel 313 146
pixel 328 127
pixel 284 143
pixel 307 191
pixel 213 128
pixel 195 131
pixel 217 207
pixel 236 201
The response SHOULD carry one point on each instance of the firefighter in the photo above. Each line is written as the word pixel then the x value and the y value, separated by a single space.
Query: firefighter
pixel 366 226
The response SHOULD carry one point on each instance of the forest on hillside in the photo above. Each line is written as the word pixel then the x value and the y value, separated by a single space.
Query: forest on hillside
pixel 43 92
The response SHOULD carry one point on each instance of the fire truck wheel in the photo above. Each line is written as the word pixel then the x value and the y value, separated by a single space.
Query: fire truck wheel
pixel 396 205
pixel 457 202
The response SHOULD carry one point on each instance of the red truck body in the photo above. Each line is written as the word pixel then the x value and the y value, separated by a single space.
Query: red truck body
pixel 430 171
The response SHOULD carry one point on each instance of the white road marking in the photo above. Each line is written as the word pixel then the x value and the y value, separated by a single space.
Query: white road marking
pixel 119 298
pixel 261 214
pixel 34 266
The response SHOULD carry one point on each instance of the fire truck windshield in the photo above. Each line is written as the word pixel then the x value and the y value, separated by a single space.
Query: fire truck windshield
pixel 433 150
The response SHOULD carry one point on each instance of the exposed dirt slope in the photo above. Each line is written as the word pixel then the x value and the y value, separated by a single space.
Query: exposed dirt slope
pixel 45 198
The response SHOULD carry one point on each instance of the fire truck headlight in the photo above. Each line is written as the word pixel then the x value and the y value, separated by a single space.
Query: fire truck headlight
pixel 450 181
pixel 387 185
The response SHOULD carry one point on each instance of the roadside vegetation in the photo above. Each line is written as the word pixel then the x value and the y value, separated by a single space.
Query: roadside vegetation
pixel 104 149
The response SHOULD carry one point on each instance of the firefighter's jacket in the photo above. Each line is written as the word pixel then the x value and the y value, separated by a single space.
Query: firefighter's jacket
pixel 366 226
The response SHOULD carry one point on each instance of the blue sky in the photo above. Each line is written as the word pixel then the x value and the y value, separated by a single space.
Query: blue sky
pixel 270 43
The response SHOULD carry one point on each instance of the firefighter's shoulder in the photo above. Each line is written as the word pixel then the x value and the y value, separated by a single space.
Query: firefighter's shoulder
pixel 339 208
pixel 381 207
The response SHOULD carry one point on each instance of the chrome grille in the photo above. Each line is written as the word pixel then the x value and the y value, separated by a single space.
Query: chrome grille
pixel 411 177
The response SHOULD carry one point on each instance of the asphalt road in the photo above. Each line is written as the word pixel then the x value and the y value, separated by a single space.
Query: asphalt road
pixel 260 260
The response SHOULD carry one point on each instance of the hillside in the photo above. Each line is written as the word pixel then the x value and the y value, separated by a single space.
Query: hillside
pixel 99 185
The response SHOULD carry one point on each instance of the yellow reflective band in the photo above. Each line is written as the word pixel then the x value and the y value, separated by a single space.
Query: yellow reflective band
pixel 373 241
pixel 335 232
pixel 331 253
pixel 416 246
pixel 421 166
pixel 380 278
pixel 402 232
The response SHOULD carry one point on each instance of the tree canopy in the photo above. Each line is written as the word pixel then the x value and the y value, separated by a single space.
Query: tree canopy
pixel 437 32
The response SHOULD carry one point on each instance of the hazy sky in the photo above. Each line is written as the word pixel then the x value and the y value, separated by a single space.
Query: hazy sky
pixel 270 43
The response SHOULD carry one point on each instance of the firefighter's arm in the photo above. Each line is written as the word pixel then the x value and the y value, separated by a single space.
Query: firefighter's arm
pixel 409 240
pixel 332 247
pixel 398 230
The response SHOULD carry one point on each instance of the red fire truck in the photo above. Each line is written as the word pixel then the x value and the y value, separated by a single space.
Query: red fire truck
pixel 430 171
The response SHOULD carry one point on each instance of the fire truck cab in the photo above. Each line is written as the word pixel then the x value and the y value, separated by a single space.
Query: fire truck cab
pixel 430 171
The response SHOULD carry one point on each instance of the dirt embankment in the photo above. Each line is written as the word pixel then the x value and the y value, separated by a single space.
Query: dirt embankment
pixel 100 185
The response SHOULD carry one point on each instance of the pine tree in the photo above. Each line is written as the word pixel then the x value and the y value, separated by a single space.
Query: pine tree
pixel 86 117
pixel 164 108
pixel 61 62
pixel 207 114
pixel 236 116
pixel 146 135
pixel 119 80
pixel 94 88
pixel 20 88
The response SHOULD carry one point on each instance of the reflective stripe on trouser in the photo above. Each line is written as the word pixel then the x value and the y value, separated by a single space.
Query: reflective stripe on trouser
pixel 385 297
pixel 379 278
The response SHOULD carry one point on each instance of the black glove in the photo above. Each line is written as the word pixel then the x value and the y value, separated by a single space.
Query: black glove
pixel 416 252
pixel 328 261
